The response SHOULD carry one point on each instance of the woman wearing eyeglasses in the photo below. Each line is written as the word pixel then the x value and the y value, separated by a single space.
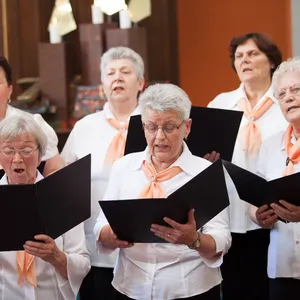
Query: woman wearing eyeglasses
pixel 254 58
pixel 186 264
pixel 47 268
pixel 280 156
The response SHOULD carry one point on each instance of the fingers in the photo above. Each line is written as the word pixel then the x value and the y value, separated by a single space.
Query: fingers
pixel 261 209
pixel 213 156
pixel 288 205
pixel 191 216
pixel 269 222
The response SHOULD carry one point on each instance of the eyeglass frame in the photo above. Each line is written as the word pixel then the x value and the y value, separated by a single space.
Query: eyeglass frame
pixel 291 89
pixel 20 153
pixel 175 127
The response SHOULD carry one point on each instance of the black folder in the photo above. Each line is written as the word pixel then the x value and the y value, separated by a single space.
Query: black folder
pixel 258 191
pixel 131 219
pixel 212 130
pixel 51 206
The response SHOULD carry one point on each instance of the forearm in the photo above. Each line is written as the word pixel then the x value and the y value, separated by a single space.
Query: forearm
pixel 60 264
pixel 207 247
pixel 252 213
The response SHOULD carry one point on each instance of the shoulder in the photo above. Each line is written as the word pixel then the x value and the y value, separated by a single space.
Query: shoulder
pixel 88 122
pixel 129 162
pixel 225 100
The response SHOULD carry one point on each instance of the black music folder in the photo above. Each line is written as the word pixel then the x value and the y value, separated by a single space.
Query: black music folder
pixel 206 193
pixel 212 130
pixel 51 206
pixel 258 191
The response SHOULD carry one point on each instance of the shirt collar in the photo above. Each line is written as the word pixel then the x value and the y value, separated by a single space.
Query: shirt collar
pixel 3 180
pixel 242 94
pixel 184 161
pixel 109 115
pixel 293 141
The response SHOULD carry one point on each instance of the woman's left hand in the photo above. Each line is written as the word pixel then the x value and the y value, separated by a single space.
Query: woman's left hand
pixel 47 250
pixel 185 234
pixel 289 212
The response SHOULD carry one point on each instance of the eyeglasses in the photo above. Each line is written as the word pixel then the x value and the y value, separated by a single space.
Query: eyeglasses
pixel 293 90
pixel 166 128
pixel 9 152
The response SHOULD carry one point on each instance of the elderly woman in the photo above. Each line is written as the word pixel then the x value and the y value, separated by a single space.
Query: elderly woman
pixel 103 134
pixel 254 58
pixel 47 269
pixel 51 159
pixel 280 156
pixel 186 265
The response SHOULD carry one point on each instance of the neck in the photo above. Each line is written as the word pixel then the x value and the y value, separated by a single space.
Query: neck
pixel 255 90
pixel 3 111
pixel 160 165
pixel 122 110
pixel 296 131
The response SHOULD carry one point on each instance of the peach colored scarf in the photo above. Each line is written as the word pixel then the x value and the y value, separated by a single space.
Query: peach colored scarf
pixel 26 268
pixel 153 189
pixel 117 146
pixel 292 151
pixel 249 134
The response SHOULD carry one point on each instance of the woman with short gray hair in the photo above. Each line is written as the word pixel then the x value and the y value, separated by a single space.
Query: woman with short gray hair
pixel 186 263
pixel 280 156
pixel 47 268
pixel 103 134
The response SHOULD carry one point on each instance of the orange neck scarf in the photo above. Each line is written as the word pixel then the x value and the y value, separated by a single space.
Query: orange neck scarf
pixel 26 268
pixel 249 134
pixel 292 151
pixel 117 146
pixel 153 189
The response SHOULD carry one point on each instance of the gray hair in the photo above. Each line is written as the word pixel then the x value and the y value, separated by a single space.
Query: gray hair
pixel 123 53
pixel 290 65
pixel 165 96
pixel 14 126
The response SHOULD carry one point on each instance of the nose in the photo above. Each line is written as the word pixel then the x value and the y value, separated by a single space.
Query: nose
pixel 17 157
pixel 118 76
pixel 160 134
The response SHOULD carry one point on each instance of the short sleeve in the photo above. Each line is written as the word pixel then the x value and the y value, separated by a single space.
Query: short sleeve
pixel 52 140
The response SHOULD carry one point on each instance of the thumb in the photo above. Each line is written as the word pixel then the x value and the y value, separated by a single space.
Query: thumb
pixel 191 218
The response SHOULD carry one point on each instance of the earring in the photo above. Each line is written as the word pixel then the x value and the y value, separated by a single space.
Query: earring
pixel 8 101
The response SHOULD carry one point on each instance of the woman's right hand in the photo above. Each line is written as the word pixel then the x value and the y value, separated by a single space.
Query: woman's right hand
pixel 266 217
pixel 110 240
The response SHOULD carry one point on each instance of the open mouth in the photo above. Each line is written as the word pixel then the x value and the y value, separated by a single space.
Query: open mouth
pixel 19 171
pixel 118 89
pixel 246 70
pixel 292 108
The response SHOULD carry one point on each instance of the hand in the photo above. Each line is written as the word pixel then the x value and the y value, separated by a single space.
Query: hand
pixel 266 217
pixel 213 156
pixel 289 213
pixel 108 239
pixel 46 249
pixel 185 234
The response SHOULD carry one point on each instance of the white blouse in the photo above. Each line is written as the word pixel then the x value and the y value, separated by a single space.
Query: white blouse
pixel 269 124
pixel 284 248
pixel 93 134
pixel 51 285
pixel 163 270
pixel 52 139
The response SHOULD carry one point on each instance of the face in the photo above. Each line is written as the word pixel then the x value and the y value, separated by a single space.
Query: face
pixel 288 95
pixel 251 64
pixel 20 169
pixel 120 82
pixel 163 146
pixel 5 89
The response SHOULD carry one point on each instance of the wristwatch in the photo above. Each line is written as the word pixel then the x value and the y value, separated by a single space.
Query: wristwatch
pixel 196 244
